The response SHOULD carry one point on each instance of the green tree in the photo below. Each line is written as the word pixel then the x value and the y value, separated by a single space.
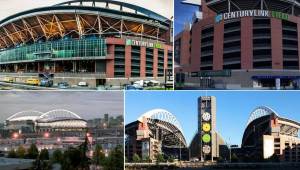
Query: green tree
pixel 21 152
pixel 32 152
pixel 44 155
pixel 99 156
pixel 147 159
pixel 57 156
pixel 234 158
pixel 71 159
pixel 115 159
pixel 136 158
pixel 12 154
pixel 159 158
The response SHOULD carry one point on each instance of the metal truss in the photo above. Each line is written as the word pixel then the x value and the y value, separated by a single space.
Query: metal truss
pixel 55 26
pixel 168 123
pixel 260 112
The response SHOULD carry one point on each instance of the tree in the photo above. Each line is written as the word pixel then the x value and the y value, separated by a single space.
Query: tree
pixel 32 152
pixel 12 154
pixel 136 158
pixel 21 152
pixel 99 156
pixel 147 159
pixel 57 156
pixel 159 158
pixel 44 155
pixel 171 158
pixel 115 159
pixel 71 159
pixel 234 158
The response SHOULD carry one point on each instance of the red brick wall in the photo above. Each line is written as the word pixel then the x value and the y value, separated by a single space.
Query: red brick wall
pixel 155 61
pixel 218 46
pixel 143 62
pixel 277 54
pixel 246 43
pixel 127 61
pixel 110 69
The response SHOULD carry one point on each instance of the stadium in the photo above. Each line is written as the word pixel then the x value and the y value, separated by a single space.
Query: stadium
pixel 100 42
pixel 155 132
pixel 240 44
pixel 267 134
pixel 58 120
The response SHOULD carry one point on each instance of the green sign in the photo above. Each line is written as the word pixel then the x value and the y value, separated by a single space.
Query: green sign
pixel 131 42
pixel 206 73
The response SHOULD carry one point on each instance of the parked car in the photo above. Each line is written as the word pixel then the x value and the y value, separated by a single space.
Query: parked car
pixel 33 81
pixel 46 83
pixel 8 79
pixel 63 85
pixel 83 84
pixel 133 87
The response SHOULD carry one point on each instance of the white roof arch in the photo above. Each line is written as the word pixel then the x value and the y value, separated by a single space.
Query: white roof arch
pixel 163 115
pixel 59 113
pixel 260 112
pixel 25 115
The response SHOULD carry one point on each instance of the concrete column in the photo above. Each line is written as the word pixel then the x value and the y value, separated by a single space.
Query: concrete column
pixel 277 83
pixel 110 63
pixel 247 43
pixel 155 62
pixel 74 66
pixel 143 62
pixel 127 61
pixel 218 46
pixel 276 43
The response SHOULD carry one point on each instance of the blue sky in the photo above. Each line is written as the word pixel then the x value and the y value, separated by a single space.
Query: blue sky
pixel 182 14
pixel 233 108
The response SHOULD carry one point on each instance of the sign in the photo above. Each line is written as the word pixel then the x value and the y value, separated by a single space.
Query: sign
pixel 221 73
pixel 251 13
pixel 131 42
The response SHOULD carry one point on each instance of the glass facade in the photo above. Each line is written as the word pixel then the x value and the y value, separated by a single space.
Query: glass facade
pixel 95 47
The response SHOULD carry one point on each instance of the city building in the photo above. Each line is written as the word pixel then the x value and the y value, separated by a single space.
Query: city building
pixel 267 135
pixel 100 42
pixel 155 132
pixel 207 144
pixel 240 44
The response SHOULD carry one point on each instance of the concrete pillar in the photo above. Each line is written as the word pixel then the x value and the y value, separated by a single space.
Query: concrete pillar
pixel 74 66
pixel 277 83
pixel 143 62
pixel 276 43
pixel 247 43
pixel 155 62
pixel 110 63
pixel 218 42
pixel 127 61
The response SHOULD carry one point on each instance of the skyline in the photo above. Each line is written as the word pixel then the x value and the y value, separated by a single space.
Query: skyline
pixel 231 121
pixel 88 104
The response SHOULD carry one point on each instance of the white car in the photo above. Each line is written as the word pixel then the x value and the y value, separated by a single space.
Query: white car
pixel 82 83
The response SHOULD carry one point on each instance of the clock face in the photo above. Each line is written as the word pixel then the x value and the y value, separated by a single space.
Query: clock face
pixel 206 116
pixel 206 138
pixel 206 127
pixel 206 149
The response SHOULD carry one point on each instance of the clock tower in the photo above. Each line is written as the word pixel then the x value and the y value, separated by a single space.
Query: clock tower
pixel 206 128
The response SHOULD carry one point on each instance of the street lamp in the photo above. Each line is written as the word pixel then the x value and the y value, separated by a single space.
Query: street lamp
pixel 15 135
pixel 46 135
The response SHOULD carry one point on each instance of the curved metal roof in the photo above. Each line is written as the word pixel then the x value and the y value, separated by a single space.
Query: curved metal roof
pixel 260 112
pixel 122 6
pixel 163 115
pixel 164 119
pixel 25 115
pixel 76 21
pixel 50 116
